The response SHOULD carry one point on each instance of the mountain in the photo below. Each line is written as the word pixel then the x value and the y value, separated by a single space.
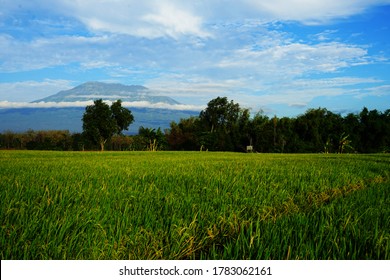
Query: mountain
pixel 70 118
pixel 112 92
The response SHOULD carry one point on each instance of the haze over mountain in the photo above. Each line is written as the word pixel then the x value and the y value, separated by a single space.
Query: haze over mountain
pixel 64 110
pixel 107 91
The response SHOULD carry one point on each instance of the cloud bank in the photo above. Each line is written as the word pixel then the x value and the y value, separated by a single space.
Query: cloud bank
pixel 135 104
pixel 176 18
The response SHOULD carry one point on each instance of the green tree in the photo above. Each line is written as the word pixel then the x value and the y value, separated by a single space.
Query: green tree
pixel 344 142
pixel 122 116
pixel 101 122
pixel 221 122
pixel 154 139
pixel 220 114
pixel 318 128
pixel 184 135
pixel 351 127
pixel 374 127
pixel 261 132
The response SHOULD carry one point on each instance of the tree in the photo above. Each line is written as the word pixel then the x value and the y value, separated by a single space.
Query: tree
pixel 101 122
pixel 318 128
pixel 184 135
pixel 221 122
pixel 122 116
pixel 153 139
pixel 260 132
pixel 374 127
pixel 220 114
pixel 344 143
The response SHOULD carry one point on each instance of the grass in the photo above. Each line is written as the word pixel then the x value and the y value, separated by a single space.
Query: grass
pixel 192 205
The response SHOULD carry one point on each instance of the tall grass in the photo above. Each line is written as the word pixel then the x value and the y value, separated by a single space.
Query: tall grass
pixel 192 205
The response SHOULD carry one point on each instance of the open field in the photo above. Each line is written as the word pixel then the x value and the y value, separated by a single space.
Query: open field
pixel 193 205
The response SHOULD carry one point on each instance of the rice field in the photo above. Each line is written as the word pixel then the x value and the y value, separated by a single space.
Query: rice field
pixel 193 205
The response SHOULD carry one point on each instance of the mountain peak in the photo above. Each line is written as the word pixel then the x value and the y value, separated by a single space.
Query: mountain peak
pixel 110 92
pixel 98 86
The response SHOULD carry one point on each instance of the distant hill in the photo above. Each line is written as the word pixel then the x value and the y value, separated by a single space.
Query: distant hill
pixel 69 118
pixel 23 119
pixel 97 90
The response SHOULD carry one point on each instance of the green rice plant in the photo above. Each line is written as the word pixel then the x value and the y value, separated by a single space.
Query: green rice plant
pixel 193 205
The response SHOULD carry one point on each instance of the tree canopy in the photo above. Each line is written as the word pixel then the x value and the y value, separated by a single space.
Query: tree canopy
pixel 101 122
pixel 224 126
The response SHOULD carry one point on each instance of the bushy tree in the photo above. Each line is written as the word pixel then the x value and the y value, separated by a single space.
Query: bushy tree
pixel 223 125
pixel 101 122
pixel 153 139
pixel 184 135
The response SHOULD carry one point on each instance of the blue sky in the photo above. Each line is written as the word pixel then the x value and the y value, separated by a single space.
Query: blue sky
pixel 279 56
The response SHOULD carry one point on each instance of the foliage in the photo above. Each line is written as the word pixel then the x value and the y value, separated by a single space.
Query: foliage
pixel 344 143
pixel 121 143
pixel 153 139
pixel 184 135
pixel 222 126
pixel 193 205
pixel 123 117
pixel 101 122
pixel 60 140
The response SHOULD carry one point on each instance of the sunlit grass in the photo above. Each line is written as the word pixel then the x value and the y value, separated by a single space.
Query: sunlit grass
pixel 193 205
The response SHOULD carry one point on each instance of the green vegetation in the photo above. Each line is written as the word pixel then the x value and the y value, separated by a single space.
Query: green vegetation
pixel 101 122
pixel 222 126
pixel 193 205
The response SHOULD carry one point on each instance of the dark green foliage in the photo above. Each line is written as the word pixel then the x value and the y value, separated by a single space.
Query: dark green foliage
pixel 60 140
pixel 151 139
pixel 224 126
pixel 122 116
pixel 101 122
pixel 184 135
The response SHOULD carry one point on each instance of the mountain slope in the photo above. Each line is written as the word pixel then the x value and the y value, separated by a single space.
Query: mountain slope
pixel 97 90
pixel 70 118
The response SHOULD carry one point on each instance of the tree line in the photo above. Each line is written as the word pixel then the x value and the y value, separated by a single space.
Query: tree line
pixel 222 126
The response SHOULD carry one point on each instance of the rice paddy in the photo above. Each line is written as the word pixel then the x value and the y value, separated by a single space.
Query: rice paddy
pixel 193 205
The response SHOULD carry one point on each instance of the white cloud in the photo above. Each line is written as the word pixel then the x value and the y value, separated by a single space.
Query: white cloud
pixel 160 105
pixel 255 94
pixel 42 53
pixel 326 35
pixel 303 91
pixel 271 50
pixel 378 91
pixel 184 88
pixel 312 11
pixel 296 59
pixel 175 18
pixel 7 104
pixel 174 22
pixel 334 82
pixel 31 90
pixel 135 104
pixel 150 19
